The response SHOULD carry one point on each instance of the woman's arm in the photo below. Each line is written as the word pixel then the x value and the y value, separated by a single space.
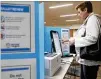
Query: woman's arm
pixel 92 32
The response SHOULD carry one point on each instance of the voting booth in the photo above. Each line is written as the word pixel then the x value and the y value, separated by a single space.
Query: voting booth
pixel 53 38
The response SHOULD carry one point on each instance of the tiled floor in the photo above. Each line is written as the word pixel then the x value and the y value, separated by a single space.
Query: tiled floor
pixel 99 73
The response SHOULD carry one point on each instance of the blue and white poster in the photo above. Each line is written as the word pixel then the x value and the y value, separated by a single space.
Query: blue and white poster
pixel 65 36
pixel 16 72
pixel 16 28
pixel 18 69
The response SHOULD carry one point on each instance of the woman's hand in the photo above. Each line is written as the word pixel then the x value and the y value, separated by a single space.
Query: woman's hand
pixel 71 40
pixel 64 41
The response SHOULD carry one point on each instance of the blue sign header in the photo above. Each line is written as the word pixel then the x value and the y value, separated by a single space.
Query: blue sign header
pixel 64 30
pixel 15 69
pixel 14 8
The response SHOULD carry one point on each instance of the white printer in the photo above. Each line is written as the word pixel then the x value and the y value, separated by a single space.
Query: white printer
pixel 52 63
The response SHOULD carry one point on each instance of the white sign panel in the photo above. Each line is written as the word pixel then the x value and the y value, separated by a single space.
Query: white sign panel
pixel 16 72
pixel 18 69
pixel 16 33
pixel 65 36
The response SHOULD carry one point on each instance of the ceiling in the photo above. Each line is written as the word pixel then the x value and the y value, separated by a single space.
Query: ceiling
pixel 52 16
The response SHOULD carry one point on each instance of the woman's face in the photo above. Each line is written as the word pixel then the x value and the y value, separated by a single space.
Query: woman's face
pixel 82 14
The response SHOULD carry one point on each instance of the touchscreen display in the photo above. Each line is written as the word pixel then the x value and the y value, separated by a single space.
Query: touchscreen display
pixel 57 42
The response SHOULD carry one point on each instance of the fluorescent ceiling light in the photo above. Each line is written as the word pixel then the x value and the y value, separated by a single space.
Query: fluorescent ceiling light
pixel 72 20
pixel 68 15
pixel 58 6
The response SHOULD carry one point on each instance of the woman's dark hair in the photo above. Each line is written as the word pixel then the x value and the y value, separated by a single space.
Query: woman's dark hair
pixel 86 4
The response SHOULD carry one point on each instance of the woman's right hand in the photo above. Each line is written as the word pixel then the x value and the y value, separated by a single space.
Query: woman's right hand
pixel 71 40
pixel 63 41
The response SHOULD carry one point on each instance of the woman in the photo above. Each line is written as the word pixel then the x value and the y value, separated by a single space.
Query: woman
pixel 91 27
